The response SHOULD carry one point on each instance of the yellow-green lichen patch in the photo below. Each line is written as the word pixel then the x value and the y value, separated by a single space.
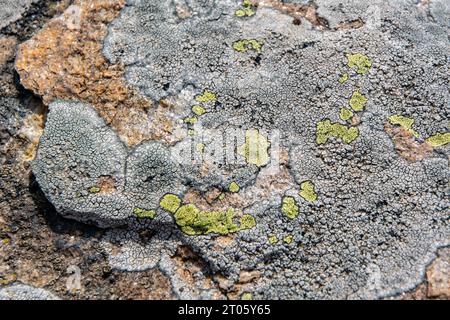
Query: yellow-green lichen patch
pixel 247 44
pixel 343 78
pixel 191 132
pixel 200 147
pixel 307 191
pixel 190 120
pixel 142 213
pixel 246 296
pixel 288 239
pixel 361 61
pixel 289 207
pixel 255 149
pixel 248 9
pixel 247 222
pixel 404 122
pixel 170 202
pixel 193 221
pixel 357 101
pixel 345 114
pixel 206 96
pixel 325 130
pixel 221 196
pixel 198 110
pixel 439 139
pixel 273 239
pixel 233 187
pixel 94 189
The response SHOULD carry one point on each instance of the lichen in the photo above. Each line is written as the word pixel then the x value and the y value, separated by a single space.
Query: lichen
pixel 94 189
pixel 190 120
pixel 255 149
pixel 289 207
pixel 206 96
pixel 439 139
pixel 143 213
pixel 273 239
pixel 170 202
pixel 288 239
pixel 233 187
pixel 325 129
pixel 357 101
pixel 246 296
pixel 404 122
pixel 345 114
pixel 247 9
pixel 194 221
pixel 200 147
pixel 343 78
pixel 361 61
pixel 307 191
pixel 247 44
pixel 198 110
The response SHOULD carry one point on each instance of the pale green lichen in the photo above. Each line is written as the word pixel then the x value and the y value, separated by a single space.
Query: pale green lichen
pixel 405 123
pixel 439 139
pixel 233 187
pixel 247 9
pixel 200 147
pixel 361 61
pixel 343 78
pixel 246 296
pixel 142 213
pixel 190 120
pixel 198 110
pixel 221 196
pixel 194 221
pixel 191 132
pixel 247 222
pixel 345 114
pixel 170 202
pixel 273 239
pixel 289 207
pixel 307 191
pixel 255 149
pixel 325 130
pixel 247 44
pixel 206 96
pixel 357 101
pixel 94 189
pixel 288 239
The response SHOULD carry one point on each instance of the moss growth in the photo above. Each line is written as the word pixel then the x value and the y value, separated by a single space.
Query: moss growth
pixel 190 120
pixel 345 114
pixel 170 202
pixel 307 191
pixel 439 139
pixel 288 239
pixel 273 239
pixel 198 110
pixel 255 149
pixel 246 296
pixel 206 96
pixel 142 213
pixel 247 44
pixel 343 78
pixel 325 129
pixel 233 187
pixel 289 207
pixel 357 101
pixel 94 189
pixel 404 122
pixel 193 221
pixel 361 61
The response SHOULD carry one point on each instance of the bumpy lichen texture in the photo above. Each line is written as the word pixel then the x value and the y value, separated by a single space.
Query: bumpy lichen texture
pixel 439 139
pixel 405 122
pixel 307 191
pixel 289 207
pixel 379 215
pixel 360 61
pixel 325 130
